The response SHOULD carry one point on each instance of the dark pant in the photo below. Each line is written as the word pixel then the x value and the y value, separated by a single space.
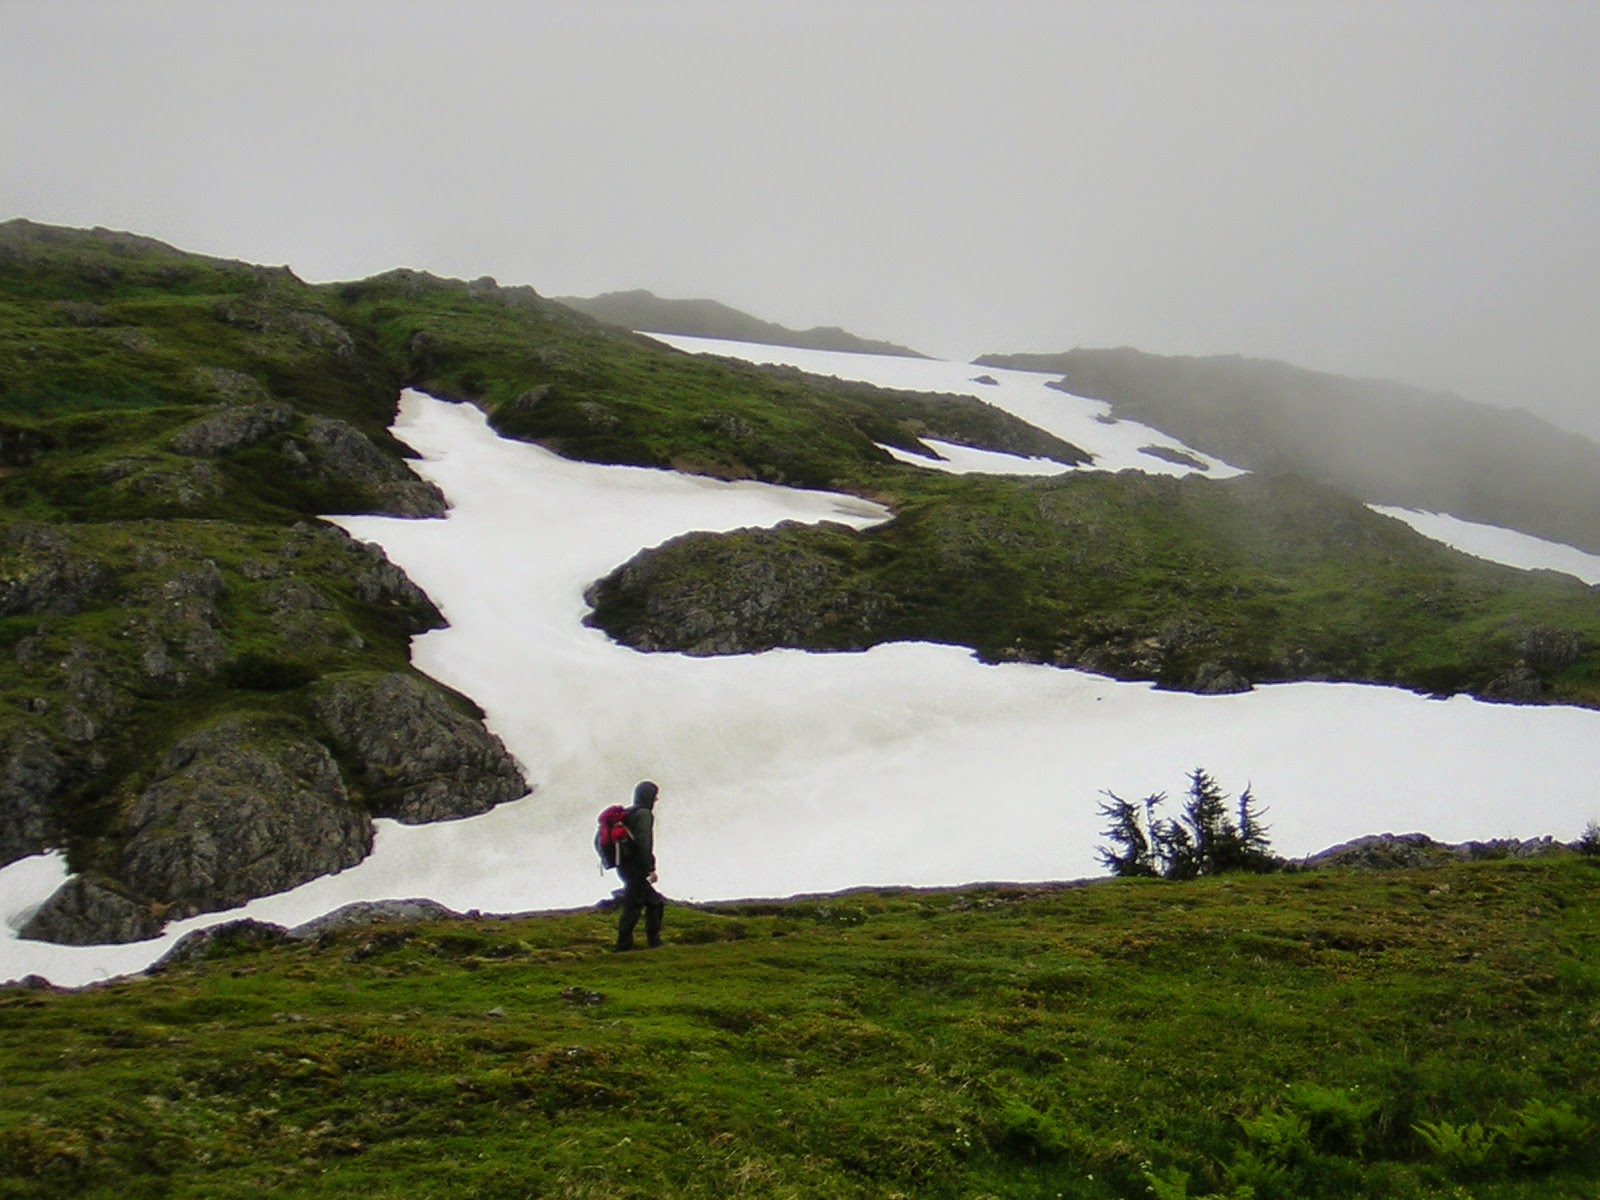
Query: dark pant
pixel 638 896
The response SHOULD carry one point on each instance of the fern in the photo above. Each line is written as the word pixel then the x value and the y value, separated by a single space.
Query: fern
pixel 1460 1149
pixel 1543 1134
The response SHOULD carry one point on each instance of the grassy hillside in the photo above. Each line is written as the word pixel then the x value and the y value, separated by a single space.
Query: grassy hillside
pixel 171 426
pixel 1408 1034
pixel 1382 442
pixel 707 318
pixel 1197 584
pixel 599 393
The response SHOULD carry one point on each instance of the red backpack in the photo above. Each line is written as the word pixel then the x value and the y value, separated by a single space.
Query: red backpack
pixel 611 831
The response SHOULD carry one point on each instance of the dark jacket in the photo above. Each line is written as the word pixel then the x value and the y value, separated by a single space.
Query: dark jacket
pixel 636 855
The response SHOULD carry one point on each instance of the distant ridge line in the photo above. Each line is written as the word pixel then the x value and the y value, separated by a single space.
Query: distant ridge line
pixel 648 313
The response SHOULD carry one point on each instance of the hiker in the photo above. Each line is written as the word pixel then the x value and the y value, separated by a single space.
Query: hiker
pixel 636 863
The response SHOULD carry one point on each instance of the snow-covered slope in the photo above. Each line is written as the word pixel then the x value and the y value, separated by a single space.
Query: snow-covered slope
pixel 790 772
pixel 1116 445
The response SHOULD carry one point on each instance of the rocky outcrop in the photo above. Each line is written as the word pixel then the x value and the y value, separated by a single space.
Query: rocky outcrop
pixel 706 594
pixel 343 454
pixel 232 429
pixel 415 756
pixel 31 774
pixel 218 941
pixel 243 808
pixel 1520 685
pixel 372 912
pixel 1388 851
pixel 88 911
pixel 1215 679
pixel 254 804
pixel 1541 651
pixel 41 574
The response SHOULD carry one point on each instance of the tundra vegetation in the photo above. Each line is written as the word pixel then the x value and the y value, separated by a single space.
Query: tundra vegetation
pixel 179 629
pixel 1421 1034
pixel 1384 442
pixel 173 425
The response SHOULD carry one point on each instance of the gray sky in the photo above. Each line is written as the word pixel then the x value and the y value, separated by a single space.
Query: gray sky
pixel 1402 189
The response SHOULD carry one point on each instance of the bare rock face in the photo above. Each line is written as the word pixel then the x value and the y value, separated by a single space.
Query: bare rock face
pixel 31 772
pixel 217 941
pixel 708 594
pixel 40 573
pixel 371 912
pixel 1389 851
pixel 243 808
pixel 233 429
pixel 85 911
pixel 348 455
pixel 419 758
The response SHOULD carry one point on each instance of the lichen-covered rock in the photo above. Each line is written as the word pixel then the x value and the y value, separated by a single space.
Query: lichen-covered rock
pixel 233 429
pixel 1520 685
pixel 417 756
pixel 349 456
pixel 31 773
pixel 40 573
pixel 1388 851
pixel 233 387
pixel 91 701
pixel 85 911
pixel 1546 649
pixel 244 808
pixel 218 941
pixel 371 912
pixel 380 582
pixel 754 590
pixel 1215 679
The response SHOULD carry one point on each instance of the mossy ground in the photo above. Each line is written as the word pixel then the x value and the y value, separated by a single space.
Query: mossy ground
pixel 110 345
pixel 1007 1042
pixel 1142 577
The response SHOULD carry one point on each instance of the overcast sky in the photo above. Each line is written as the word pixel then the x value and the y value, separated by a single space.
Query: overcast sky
pixel 1402 189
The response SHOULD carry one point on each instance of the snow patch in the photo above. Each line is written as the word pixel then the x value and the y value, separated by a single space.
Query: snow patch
pixel 789 772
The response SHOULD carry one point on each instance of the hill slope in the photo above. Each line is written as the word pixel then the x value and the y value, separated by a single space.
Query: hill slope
pixel 707 318
pixel 1316 1035
pixel 203 683
pixel 1381 442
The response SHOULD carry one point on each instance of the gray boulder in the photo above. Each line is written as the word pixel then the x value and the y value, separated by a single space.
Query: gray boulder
pixel 233 429
pixel 217 941
pixel 244 808
pixel 371 912
pixel 349 456
pixel 40 573
pixel 417 757
pixel 31 773
pixel 86 911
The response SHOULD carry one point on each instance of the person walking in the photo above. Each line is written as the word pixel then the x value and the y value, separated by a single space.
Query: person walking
pixel 636 864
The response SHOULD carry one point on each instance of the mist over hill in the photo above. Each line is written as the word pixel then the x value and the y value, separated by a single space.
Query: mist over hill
pixel 206 687
pixel 707 318
pixel 1382 442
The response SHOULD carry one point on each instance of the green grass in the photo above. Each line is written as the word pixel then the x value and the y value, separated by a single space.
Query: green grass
pixel 1127 575
pixel 548 374
pixel 111 345
pixel 1019 1042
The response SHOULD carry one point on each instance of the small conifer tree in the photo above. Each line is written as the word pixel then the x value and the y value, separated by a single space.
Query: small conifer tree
pixel 1130 853
pixel 1202 840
